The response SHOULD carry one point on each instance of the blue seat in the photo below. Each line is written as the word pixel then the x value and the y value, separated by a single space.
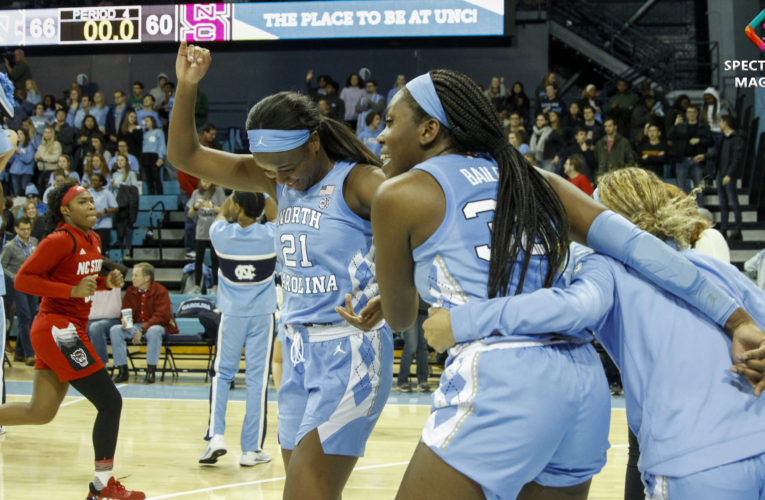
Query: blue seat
pixel 142 219
pixel 147 201
pixel 171 187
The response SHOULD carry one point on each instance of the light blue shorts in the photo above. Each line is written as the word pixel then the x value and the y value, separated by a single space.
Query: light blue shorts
pixel 742 480
pixel 338 386
pixel 506 414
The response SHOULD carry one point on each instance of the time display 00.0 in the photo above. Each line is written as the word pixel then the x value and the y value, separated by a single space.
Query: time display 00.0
pixel 100 25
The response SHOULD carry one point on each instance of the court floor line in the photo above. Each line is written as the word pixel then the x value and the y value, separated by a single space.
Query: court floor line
pixel 263 481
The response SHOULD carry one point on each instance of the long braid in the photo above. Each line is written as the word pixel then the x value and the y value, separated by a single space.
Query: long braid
pixel 53 215
pixel 528 213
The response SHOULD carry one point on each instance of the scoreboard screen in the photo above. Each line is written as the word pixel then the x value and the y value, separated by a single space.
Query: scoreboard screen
pixel 252 21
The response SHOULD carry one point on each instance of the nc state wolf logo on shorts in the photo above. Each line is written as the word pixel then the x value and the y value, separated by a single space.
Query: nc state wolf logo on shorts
pixel 71 347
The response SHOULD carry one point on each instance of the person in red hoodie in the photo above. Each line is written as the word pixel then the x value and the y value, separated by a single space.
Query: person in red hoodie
pixel 151 316
pixel 572 168
pixel 64 270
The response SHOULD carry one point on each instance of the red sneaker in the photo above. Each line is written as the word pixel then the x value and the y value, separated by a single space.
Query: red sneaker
pixel 114 491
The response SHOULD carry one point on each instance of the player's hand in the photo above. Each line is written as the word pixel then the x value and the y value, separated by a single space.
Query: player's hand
pixel 309 75
pixel 115 279
pixel 438 329
pixel 748 353
pixel 85 288
pixel 726 180
pixel 192 63
pixel 366 318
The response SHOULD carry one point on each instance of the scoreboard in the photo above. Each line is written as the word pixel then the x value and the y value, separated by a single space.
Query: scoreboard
pixel 252 21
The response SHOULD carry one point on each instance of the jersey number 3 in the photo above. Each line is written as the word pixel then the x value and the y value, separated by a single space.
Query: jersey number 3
pixel 471 210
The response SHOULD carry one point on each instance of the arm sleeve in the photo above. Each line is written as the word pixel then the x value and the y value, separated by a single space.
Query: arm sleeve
pixel 562 310
pixel 31 279
pixel 614 235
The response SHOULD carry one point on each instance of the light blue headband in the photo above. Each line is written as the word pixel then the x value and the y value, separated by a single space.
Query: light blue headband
pixel 265 140
pixel 424 94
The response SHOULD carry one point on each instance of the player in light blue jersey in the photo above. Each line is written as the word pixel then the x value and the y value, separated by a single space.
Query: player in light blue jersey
pixel 700 427
pixel 521 417
pixel 337 364
pixel 247 302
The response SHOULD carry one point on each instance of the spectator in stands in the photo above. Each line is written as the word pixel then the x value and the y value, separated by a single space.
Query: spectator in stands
pixel 323 106
pixel 247 304
pixel 57 178
pixel 731 168
pixel 64 132
pixel 370 132
pixel 165 105
pixel 99 110
pixel 105 312
pixel 73 105
pixel 122 173
pixel 147 110
pixel 33 93
pixel 515 125
pixel 591 125
pixel 518 102
pixel 370 102
pixel 122 148
pixel 643 112
pixel 572 168
pixel 681 104
pixel 20 71
pixel 580 146
pixel 203 206
pixel 14 253
pixel 84 135
pixel 135 100
pixel 415 343
pixel 39 120
pixel 321 82
pixel 711 112
pixel 157 93
pixel 106 205
pixel 545 143
pixel 30 210
pixel 572 121
pixel 97 147
pixel 132 133
pixel 397 85
pixel 188 183
pixel 514 138
pixel 34 137
pixel 589 98
pixel 336 105
pixel 692 138
pixel 47 156
pixel 496 92
pixel 116 116
pixel 83 111
pixel 153 155
pixel 22 165
pixel 94 164
pixel 351 95
pixel 49 104
pixel 127 198
pixel 152 316
pixel 64 165
pixel 620 105
pixel 652 151
pixel 208 137
pixel 541 91
pixel 551 101
pixel 613 151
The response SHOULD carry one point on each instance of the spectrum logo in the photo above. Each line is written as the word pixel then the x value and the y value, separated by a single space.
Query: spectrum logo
pixel 750 33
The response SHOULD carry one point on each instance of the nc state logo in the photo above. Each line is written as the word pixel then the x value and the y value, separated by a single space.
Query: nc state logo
pixel 79 357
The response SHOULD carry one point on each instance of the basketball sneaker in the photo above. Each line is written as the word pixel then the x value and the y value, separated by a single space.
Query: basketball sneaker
pixel 114 491
pixel 250 458
pixel 216 448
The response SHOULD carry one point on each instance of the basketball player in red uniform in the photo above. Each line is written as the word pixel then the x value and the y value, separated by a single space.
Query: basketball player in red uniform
pixel 64 270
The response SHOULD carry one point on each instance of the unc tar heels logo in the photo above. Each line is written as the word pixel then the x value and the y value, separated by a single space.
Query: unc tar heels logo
pixel 324 203
pixel 245 272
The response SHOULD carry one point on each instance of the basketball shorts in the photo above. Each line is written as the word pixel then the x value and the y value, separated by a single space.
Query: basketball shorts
pixel 63 345
pixel 509 413
pixel 336 379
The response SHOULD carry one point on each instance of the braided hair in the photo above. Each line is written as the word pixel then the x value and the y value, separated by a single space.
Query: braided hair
pixel 528 212
pixel 293 111
pixel 53 215
pixel 252 203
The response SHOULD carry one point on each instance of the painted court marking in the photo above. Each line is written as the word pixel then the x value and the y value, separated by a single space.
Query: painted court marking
pixel 263 481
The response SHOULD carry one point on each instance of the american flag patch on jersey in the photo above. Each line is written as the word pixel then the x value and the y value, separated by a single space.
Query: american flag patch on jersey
pixel 327 189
